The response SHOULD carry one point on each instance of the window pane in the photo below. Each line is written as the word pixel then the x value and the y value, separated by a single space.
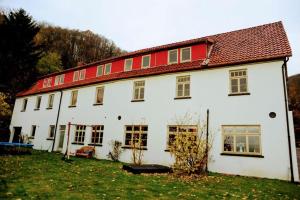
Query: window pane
pixel 240 144
pixel 173 128
pixel 243 85
pixel 187 90
pixel 136 93
pixel 142 93
pixel 107 68
pixel 173 56
pixel 254 144
pixel 186 54
pixel 228 143
pixel 100 70
pixel 179 90
pixel 128 64
pixel 146 61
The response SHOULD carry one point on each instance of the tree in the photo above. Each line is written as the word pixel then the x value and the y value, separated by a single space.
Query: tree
pixel 49 63
pixel 18 52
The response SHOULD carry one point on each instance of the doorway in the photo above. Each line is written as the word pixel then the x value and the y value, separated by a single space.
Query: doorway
pixel 17 134
pixel 62 131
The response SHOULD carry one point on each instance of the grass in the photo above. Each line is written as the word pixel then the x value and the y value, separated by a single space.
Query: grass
pixel 44 175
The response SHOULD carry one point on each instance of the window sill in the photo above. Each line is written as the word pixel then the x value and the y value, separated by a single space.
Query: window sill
pixel 97 104
pixel 167 150
pixel 182 98
pixel 97 145
pixel 31 137
pixel 242 155
pixel 239 94
pixel 50 138
pixel 126 147
pixel 36 109
pixel 137 100
pixel 71 106
pixel 77 143
pixel 22 110
pixel 49 108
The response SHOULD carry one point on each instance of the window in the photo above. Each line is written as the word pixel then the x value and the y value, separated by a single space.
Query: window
pixel 47 82
pixel 99 70
pixel 136 136
pixel 97 134
pixel 240 139
pixel 59 79
pixel 173 130
pixel 50 101
pixel 74 94
pixel 173 56
pixel 76 76
pixel 99 95
pixel 79 134
pixel 238 81
pixel 24 105
pixel 182 86
pixel 138 90
pixel 107 69
pixel 82 74
pixel 146 61
pixel 51 131
pixel 128 65
pixel 38 102
pixel 185 54
pixel 33 129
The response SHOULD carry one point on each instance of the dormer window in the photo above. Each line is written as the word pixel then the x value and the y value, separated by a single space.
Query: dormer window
pixel 146 61
pixel 107 69
pixel 59 79
pixel 128 64
pixel 99 70
pixel 82 74
pixel 47 82
pixel 76 76
pixel 185 54
pixel 173 56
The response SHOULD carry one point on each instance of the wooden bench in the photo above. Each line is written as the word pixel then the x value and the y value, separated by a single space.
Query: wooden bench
pixel 86 151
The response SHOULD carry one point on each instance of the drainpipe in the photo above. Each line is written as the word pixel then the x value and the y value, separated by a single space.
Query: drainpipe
pixel 284 79
pixel 58 112
pixel 206 148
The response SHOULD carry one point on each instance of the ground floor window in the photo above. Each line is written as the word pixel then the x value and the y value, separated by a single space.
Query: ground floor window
pixel 97 134
pixel 241 139
pixel 187 130
pixel 79 133
pixel 136 136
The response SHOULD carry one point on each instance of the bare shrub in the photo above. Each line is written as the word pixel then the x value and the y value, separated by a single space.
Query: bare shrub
pixel 116 150
pixel 137 153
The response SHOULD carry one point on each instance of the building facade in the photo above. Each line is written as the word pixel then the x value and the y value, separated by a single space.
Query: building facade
pixel 239 77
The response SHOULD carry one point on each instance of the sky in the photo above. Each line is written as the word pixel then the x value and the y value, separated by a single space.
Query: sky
pixel 138 24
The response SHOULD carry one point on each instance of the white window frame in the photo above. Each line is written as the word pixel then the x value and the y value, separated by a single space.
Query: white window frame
pixel 128 68
pixel 132 134
pixel 139 88
pixel 38 102
pixel 79 135
pixel 82 74
pixel 241 74
pixel 96 95
pixel 144 67
pixel 183 83
pixel 50 101
pixel 51 127
pixel 47 82
pixel 247 134
pixel 24 105
pixel 102 70
pixel 76 76
pixel 59 79
pixel 169 52
pixel 106 66
pixel 178 131
pixel 181 50
pixel 97 134
pixel 74 94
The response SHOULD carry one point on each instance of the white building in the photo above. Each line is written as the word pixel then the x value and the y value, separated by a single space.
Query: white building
pixel 238 76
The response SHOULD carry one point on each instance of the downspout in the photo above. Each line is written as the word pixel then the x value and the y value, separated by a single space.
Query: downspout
pixel 58 112
pixel 206 148
pixel 284 79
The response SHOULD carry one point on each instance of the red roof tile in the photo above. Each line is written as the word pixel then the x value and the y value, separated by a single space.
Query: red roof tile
pixel 265 42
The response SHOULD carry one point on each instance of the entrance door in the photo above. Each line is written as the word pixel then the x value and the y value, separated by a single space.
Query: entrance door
pixel 62 131
pixel 17 134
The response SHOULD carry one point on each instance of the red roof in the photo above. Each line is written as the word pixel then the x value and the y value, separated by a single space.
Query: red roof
pixel 260 43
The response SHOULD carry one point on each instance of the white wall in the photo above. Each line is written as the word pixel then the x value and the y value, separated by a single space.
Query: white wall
pixel 209 90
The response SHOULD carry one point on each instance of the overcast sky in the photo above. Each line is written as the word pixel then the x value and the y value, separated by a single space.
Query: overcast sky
pixel 137 24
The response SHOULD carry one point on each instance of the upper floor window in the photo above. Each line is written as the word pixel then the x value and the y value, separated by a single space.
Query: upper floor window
pixel 182 86
pixel 75 75
pixel 97 134
pixel 138 90
pixel 128 64
pixel 99 70
pixel 99 95
pixel 241 139
pixel 51 131
pixel 136 136
pixel 146 61
pixel 59 79
pixel 107 69
pixel 73 101
pixel 82 74
pixel 185 130
pixel 38 102
pixel 50 101
pixel 238 81
pixel 24 105
pixel 173 56
pixel 79 134
pixel 47 82
pixel 185 54
pixel 33 129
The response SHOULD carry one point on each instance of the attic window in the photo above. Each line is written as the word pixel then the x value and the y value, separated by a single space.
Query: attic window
pixel 173 56
pixel 47 82
pixel 128 65
pixel 59 79
pixel 99 70
pixel 185 54
pixel 146 61
pixel 82 74
pixel 76 76
pixel 107 69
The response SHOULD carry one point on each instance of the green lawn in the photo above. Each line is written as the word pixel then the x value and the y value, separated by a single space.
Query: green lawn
pixel 44 175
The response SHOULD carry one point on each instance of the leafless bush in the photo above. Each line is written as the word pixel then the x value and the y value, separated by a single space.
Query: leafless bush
pixel 116 150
